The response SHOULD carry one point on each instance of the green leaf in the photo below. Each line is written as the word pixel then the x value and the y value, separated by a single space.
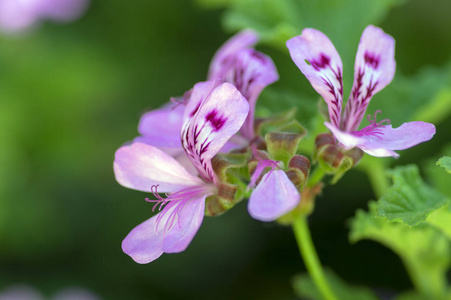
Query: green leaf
pixel 305 287
pixel 424 250
pixel 445 162
pixel 409 200
pixel 213 4
pixel 441 219
pixel 411 295
pixel 426 96
pixel 277 21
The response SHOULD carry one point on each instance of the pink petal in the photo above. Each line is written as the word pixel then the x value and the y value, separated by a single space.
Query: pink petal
pixel 346 139
pixel 140 166
pixel 316 57
pixel 217 119
pixel 61 10
pixel 251 72
pixel 198 94
pixel 145 243
pixel 404 137
pixel 161 127
pixel 273 197
pixel 374 68
pixel 242 40
pixel 186 226
pixel 170 231
pixel 16 16
pixel 234 143
pixel 383 140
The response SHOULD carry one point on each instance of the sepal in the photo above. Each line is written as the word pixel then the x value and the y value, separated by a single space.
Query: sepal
pixel 224 200
pixel 274 122
pixel 228 169
pixel 282 146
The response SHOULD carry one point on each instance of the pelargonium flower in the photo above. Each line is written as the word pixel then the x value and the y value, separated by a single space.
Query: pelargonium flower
pixel 212 116
pixel 274 196
pixel 18 15
pixel 374 68
pixel 235 62
pixel 248 70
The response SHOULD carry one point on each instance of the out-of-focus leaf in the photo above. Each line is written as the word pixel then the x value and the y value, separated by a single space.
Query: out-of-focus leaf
pixel 305 287
pixel 442 220
pixel 445 162
pixel 213 4
pixel 424 250
pixel 411 295
pixel 409 200
pixel 437 176
pixel 277 21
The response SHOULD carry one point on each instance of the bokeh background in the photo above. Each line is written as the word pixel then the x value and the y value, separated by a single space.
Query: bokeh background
pixel 71 94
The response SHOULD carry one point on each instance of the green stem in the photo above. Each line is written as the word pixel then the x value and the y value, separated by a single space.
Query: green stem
pixel 375 169
pixel 316 176
pixel 308 253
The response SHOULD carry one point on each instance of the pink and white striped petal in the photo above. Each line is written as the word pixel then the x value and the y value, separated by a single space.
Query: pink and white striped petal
pixel 250 74
pixel 161 128
pixel 198 94
pixel 318 60
pixel 225 55
pixel 139 166
pixel 273 197
pixel 381 141
pixel 374 69
pixel 218 118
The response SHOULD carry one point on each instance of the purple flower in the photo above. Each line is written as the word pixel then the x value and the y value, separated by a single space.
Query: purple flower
pixel 18 15
pixel 235 62
pixel 274 196
pixel 212 116
pixel 248 70
pixel 316 57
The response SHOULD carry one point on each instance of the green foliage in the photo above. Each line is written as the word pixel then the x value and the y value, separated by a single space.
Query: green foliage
pixel 441 219
pixel 445 162
pixel 304 287
pixel 409 200
pixel 424 250
pixel 438 176
pixel 425 96
pixel 277 21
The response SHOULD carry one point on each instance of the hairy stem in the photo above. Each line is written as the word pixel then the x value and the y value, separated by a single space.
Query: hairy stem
pixel 375 169
pixel 308 253
pixel 316 176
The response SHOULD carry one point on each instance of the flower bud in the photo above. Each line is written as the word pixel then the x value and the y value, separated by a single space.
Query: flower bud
pixel 301 163
pixel 322 140
pixel 333 161
pixel 298 170
pixel 331 156
pixel 355 154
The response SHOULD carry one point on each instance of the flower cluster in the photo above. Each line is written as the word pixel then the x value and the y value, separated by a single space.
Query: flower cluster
pixel 184 147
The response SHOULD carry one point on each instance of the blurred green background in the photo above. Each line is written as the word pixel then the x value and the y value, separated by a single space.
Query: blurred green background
pixel 71 94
